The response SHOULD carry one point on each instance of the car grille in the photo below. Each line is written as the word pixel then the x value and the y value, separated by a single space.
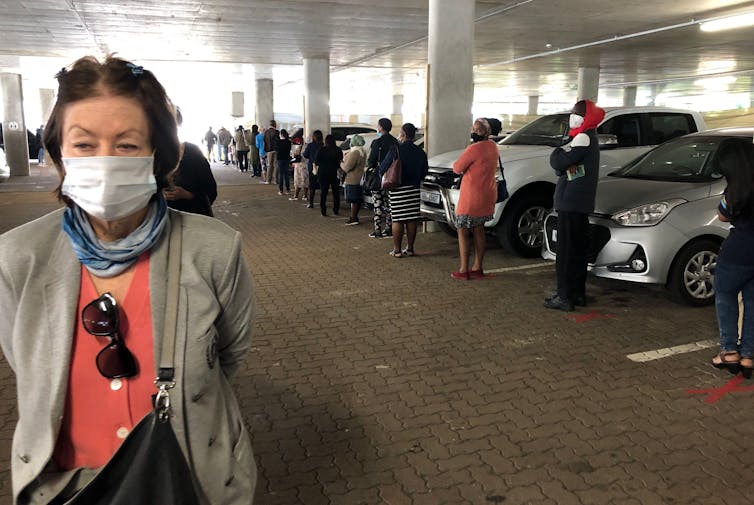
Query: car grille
pixel 598 236
pixel 446 179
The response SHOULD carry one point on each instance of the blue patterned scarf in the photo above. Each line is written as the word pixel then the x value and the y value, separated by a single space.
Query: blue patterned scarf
pixel 108 259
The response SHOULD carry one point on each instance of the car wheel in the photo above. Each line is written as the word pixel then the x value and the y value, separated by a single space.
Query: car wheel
pixel 521 228
pixel 691 278
pixel 448 229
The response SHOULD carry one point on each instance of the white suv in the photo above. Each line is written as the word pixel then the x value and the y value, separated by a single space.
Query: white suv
pixel 625 133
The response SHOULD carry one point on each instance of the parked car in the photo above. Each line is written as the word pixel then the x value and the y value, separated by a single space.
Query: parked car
pixel 625 133
pixel 655 220
pixel 339 130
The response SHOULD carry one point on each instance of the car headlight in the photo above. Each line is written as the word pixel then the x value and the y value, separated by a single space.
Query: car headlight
pixel 648 214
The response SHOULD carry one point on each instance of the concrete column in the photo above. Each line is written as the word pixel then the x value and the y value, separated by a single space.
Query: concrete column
pixel 533 105
pixel 46 102
pixel 450 75
pixel 589 83
pixel 397 116
pixel 629 96
pixel 14 126
pixel 264 103
pixel 317 93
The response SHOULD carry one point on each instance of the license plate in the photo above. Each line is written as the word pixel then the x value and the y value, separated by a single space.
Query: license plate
pixel 431 197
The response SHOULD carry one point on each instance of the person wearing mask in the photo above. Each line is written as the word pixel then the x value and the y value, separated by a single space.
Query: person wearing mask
pixel 380 147
pixel 262 154
pixel 310 153
pixel 577 166
pixel 270 147
pixel 192 187
pixel 734 273
pixel 210 139
pixel 353 167
pixel 476 202
pixel 84 292
pixel 284 162
pixel 254 159
pixel 242 149
pixel 328 162
pixel 224 138
pixel 405 200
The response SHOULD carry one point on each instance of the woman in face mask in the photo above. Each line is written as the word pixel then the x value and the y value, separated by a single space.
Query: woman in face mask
pixel 86 299
pixel 476 202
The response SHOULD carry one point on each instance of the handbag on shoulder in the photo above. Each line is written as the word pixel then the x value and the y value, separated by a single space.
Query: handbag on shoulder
pixel 502 185
pixel 392 177
pixel 370 181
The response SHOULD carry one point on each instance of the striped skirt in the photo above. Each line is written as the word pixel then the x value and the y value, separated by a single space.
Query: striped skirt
pixel 405 203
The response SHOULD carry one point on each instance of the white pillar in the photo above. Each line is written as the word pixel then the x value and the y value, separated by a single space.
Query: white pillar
pixel 629 96
pixel 450 75
pixel 264 102
pixel 14 125
pixel 316 96
pixel 589 83
pixel 397 116
pixel 533 105
pixel 46 102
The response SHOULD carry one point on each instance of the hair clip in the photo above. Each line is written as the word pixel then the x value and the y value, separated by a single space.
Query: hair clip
pixel 135 69
pixel 61 73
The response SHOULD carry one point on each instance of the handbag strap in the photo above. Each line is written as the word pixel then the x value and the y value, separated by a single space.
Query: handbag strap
pixel 166 371
pixel 500 166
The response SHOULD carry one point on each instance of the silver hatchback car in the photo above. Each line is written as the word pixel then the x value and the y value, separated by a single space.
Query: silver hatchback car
pixel 655 220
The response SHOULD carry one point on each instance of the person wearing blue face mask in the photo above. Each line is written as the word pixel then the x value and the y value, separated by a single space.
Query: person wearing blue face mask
pixel 103 295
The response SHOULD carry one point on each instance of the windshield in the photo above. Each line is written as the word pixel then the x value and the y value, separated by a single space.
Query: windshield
pixel 689 159
pixel 549 130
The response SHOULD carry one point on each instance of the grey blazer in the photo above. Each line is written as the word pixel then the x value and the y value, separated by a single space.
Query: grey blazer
pixel 39 290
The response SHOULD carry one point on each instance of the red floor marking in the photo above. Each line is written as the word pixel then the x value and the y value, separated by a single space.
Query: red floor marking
pixel 715 394
pixel 582 318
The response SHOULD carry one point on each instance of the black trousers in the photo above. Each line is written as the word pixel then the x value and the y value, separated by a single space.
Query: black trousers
pixel 243 160
pixel 325 183
pixel 572 250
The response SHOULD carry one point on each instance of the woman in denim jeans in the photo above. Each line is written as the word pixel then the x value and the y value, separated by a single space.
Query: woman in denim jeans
pixel 735 263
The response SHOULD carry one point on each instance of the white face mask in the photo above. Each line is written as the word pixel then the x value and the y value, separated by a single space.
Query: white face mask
pixel 574 121
pixel 109 187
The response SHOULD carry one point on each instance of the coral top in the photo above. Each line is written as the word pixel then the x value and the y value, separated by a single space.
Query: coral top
pixel 100 412
pixel 478 164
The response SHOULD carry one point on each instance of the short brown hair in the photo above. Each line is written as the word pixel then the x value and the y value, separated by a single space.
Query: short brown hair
pixel 88 78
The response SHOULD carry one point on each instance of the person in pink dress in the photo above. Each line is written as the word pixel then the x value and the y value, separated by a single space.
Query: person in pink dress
pixel 476 203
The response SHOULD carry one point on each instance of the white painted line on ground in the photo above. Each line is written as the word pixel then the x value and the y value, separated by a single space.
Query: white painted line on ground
pixel 522 267
pixel 641 357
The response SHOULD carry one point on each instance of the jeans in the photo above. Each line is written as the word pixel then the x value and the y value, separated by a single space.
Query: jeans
pixel 224 154
pixel 283 175
pixel 731 279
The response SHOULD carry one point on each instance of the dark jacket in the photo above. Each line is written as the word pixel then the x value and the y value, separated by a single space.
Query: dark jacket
pixel 413 164
pixel 328 159
pixel 379 149
pixel 271 136
pixel 577 195
pixel 283 149
pixel 194 175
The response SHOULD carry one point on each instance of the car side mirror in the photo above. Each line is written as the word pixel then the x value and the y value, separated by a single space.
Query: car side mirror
pixel 607 141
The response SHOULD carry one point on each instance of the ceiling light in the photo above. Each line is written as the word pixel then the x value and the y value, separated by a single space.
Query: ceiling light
pixel 727 23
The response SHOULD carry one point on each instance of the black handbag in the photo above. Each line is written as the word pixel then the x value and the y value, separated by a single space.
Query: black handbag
pixel 502 185
pixel 149 467
pixel 371 180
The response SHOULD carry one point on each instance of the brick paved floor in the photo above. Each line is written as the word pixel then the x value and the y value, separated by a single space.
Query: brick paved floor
pixel 381 380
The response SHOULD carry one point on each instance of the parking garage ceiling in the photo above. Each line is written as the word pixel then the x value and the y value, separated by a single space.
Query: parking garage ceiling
pixel 522 47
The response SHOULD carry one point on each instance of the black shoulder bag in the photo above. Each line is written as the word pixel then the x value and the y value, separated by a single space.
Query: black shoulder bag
pixel 502 185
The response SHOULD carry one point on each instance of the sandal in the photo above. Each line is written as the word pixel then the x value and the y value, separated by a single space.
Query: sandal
pixel 395 254
pixel 407 252
pixel 747 367
pixel 726 360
